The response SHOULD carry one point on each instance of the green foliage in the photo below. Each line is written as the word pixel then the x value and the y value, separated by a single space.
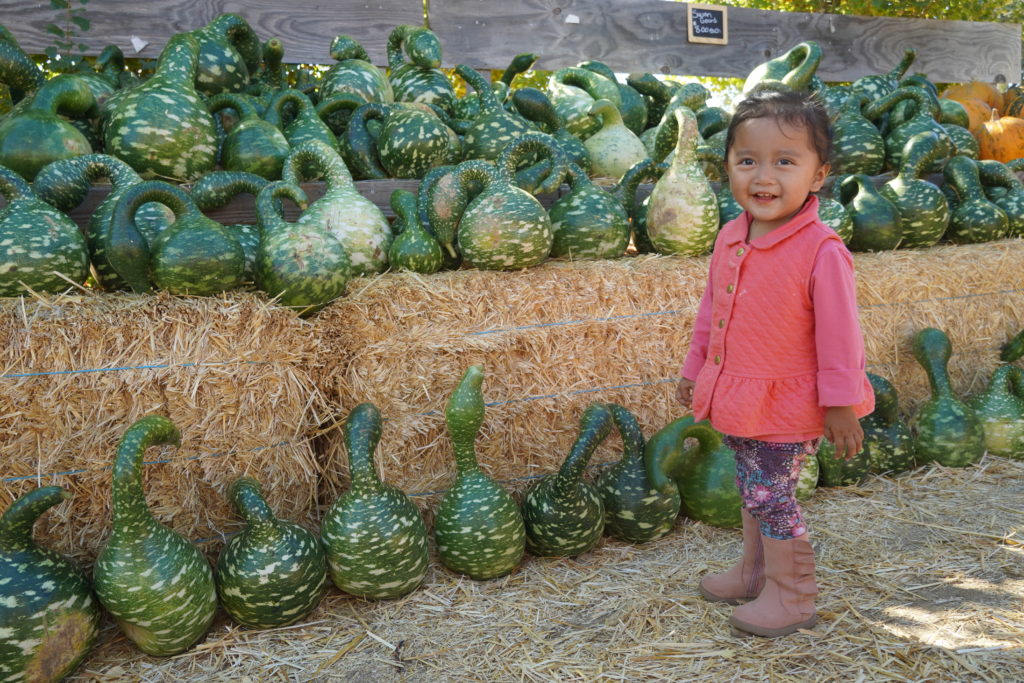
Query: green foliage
pixel 966 10
pixel 67 30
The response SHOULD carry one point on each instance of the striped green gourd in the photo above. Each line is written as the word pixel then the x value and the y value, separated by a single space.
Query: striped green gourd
pixel 924 212
pixel 252 145
pixel 947 430
pixel 857 146
pixel 302 266
pixel 229 52
pixel 975 218
pixel 413 248
pixel 923 121
pixel 49 618
pixel 495 128
pixel 40 244
pixel 478 526
pixel 534 105
pixel 356 221
pixel 195 255
pixel 273 572
pixel 161 127
pixel 216 189
pixel 37 134
pixel 614 148
pixel 682 216
pixel 18 71
pixel 573 91
pixel 834 215
pixel 64 184
pixel 419 79
pixel 411 140
pixel 292 111
pixel 157 585
pixel 588 222
pixel 646 171
pixel 875 220
pixel 1001 411
pixel 793 69
pixel 876 86
pixel 354 73
pixel 374 535
pixel 634 511
pixel 1004 189
pixel 563 513
pixel 632 105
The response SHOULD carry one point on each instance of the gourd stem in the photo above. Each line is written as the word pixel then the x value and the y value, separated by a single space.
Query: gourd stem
pixel 130 509
pixel 18 520
pixel 247 497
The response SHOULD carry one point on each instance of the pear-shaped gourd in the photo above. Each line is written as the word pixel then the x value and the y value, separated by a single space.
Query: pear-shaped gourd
pixel 948 432
pixel 273 572
pixel 478 526
pixel 356 221
pixel 887 440
pixel 793 69
pixel 216 189
pixel 40 244
pixel 374 535
pixel 588 222
pixel 614 148
pixel 857 146
pixel 975 218
pixel 413 248
pixel 419 79
pixel 48 615
pixel 495 128
pixel 354 73
pixel 252 145
pixel 634 511
pixel 156 584
pixel 162 127
pixel 682 216
pixel 229 52
pixel 1001 411
pixel 923 209
pixel 563 513
pixel 875 220
pixel 302 266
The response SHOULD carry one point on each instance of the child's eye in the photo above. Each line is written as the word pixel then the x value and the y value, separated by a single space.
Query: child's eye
pixel 786 162
pixel 746 161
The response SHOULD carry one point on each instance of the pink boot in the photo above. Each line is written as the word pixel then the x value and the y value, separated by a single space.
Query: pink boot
pixel 744 580
pixel 787 601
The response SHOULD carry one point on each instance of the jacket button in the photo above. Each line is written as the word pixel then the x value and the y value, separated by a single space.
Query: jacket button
pixel 718 360
pixel 739 252
pixel 721 323
pixel 728 290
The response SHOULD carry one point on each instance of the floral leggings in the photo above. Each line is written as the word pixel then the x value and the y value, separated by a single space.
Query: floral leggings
pixel 766 474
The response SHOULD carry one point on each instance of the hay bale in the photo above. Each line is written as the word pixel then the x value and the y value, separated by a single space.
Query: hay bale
pixel 556 337
pixel 76 371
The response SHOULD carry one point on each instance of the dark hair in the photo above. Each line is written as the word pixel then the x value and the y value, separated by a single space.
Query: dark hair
pixel 793 107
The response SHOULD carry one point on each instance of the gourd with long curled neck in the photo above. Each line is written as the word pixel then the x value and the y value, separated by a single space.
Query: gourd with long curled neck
pixel 18 71
pixel 419 79
pixel 923 121
pixel 573 91
pixel 253 145
pixel 413 248
pixel 1001 411
pixel 216 189
pixel 656 94
pixel 48 614
pixel 614 148
pixel 156 584
pixel 876 220
pixel 645 171
pixel 536 106
pixel 412 140
pixel 879 85
pixel 923 209
pixel 793 69
pixel 478 526
pixel 467 108
pixel 632 105
pixel 374 536
pixel 588 222
pixel 274 572
pixel 1004 189
pixel 354 73
pixel 857 146
pixel 563 513
pixel 634 511
pixel 303 121
pixel 229 53
pixel 494 128
pixel 975 218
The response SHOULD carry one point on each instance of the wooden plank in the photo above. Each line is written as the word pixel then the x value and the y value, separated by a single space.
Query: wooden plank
pixel 650 35
pixel 306 26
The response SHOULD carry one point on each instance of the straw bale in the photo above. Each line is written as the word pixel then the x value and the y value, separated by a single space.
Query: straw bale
pixel 231 373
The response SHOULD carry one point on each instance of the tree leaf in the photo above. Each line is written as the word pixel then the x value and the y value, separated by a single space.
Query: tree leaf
pixel 55 30
pixel 58 4
pixel 51 52
pixel 81 22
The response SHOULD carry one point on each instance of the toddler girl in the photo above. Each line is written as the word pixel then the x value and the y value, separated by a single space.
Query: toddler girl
pixel 777 356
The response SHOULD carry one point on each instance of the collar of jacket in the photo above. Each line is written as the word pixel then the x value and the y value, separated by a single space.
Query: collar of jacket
pixel 735 231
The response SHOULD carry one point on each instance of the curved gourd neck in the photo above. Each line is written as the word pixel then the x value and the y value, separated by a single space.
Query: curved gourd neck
pixel 17 521
pixel 362 434
pixel 666 454
pixel 19 72
pixel 519 64
pixel 1005 380
pixel 932 350
pixel 130 509
pixel 420 44
pixel 66 94
pixel 595 425
pixel 896 73
pixel 533 143
pixel 242 106
pixel 232 29
pixel 609 113
pixel 13 186
pixel 535 105
pixel 247 497
pixel 345 47
pixel 324 160
pixel 630 433
pixel 489 104
pixel 407 217
pixel 918 153
pixel 268 204
pixel 179 61
pixel 962 173
pixel 464 415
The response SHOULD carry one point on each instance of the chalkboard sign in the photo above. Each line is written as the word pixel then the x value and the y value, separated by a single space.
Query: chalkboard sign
pixel 707 24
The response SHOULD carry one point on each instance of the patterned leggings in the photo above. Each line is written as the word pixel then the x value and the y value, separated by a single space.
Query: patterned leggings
pixel 766 474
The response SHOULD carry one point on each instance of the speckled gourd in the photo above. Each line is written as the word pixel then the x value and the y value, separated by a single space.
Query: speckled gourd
pixel 467 107
pixel 563 513
pixel 632 105
pixel 1000 407
pixel 923 121
pixel 792 69
pixel 216 189
pixel 18 71
pixel 49 618
pixel 36 243
pixel 1004 189
pixel 419 79
pixel 644 172
pixel 294 113
pixel 374 536
pixel 656 94
pixel 253 145
pixel 157 585
pixel 411 140
pixel 975 218
pixel 536 106
pixel 634 511
pixel 573 91
pixel 857 146
pixel 875 220
pixel 836 471
pixel 161 127
pixel 614 148
pixel 478 526
pixel 354 73
pixel 588 222
pixel 495 128
pixel 923 209
pixel 413 248
pixel 876 86
pixel 273 572
pixel 229 53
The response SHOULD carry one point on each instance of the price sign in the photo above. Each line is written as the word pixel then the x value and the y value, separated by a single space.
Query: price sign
pixel 707 24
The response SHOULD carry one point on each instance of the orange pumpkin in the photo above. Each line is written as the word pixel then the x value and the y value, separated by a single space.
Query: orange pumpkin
pixel 977 111
pixel 986 92
pixel 1000 138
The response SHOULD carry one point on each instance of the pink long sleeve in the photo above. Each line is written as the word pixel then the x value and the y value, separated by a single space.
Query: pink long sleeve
pixel 838 337
pixel 701 335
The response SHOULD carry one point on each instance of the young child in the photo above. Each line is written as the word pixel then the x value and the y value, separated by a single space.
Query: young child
pixel 777 357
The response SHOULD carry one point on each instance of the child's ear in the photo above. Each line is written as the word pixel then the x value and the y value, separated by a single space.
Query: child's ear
pixel 819 176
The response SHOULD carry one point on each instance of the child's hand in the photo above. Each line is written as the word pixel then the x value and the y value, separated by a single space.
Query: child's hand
pixel 843 429
pixel 684 391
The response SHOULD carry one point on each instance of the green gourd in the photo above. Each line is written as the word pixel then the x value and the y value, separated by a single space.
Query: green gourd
pixel 195 255
pixel 793 69
pixel 563 513
pixel 645 171
pixel 467 107
pixel 1001 411
pixel 573 91
pixel 948 432
pixel 294 113
pixel 270 77
pixel 879 85
pixel 1005 190
pixel 728 208
pixel 161 126
pixel 614 148
pixel 857 146
pixel 354 73
pixel 964 143
pixel 229 51
pixel 656 94
pixel 887 440
pixel 303 266
pixel 48 615
pixel 419 79
pixel 374 536
pixel 1013 349
pixel 807 481
pixel 975 218
pixel 478 526
pixel 494 128
pixel 253 145
pixel 588 222
pixel 633 510
pixel 832 97
pixel 18 71
pixel 923 121
pixel 876 221
pixel 413 248
pixel 834 215
pixel 40 244
pixel 536 106
pixel 836 471
pixel 682 217
pixel 356 221
pixel 411 141
pixel 65 184
pixel 924 212
pixel 439 200
pixel 274 572
pixel 156 584
pixel 216 189
pixel 692 96
pixel 632 105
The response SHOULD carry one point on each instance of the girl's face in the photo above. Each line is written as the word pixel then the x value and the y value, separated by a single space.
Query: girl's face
pixel 772 168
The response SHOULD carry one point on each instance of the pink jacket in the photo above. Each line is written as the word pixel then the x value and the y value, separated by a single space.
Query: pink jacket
pixel 777 337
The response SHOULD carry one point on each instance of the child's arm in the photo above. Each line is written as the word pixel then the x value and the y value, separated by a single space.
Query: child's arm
pixel 698 348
